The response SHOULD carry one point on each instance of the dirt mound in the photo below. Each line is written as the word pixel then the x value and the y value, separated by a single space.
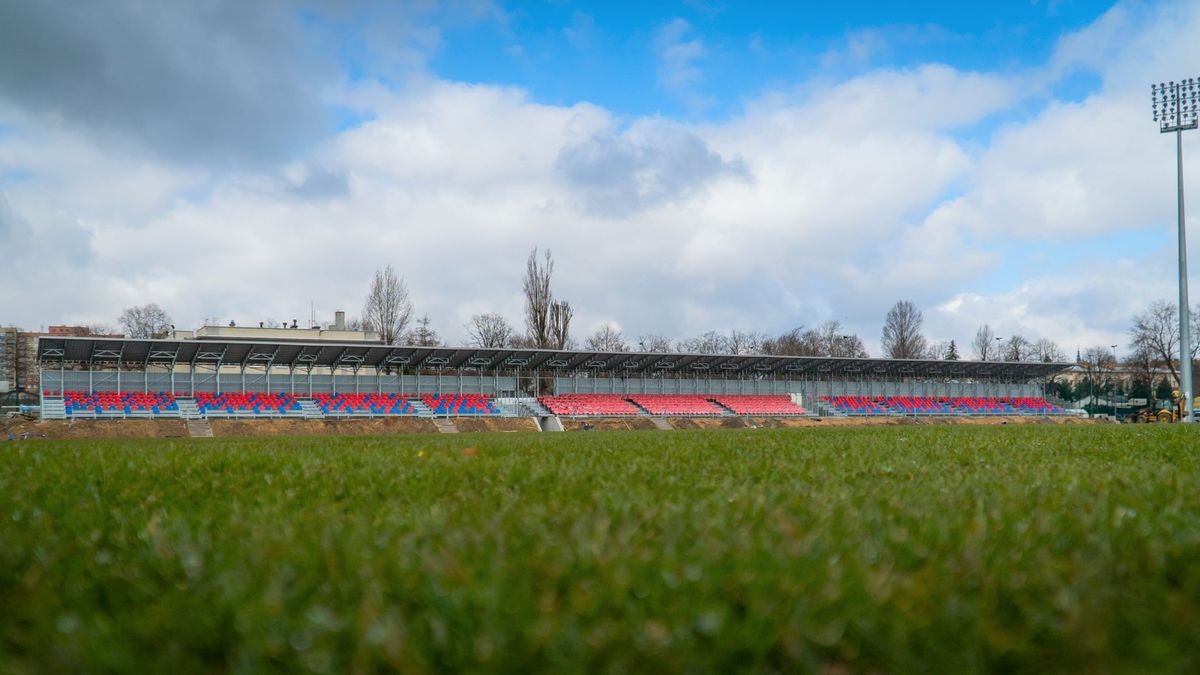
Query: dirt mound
pixel 609 423
pixel 345 427
pixel 483 424
pixel 18 426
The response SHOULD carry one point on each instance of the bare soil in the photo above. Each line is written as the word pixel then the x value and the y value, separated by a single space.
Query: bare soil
pixel 176 428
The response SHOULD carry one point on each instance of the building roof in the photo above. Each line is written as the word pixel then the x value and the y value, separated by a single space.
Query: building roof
pixel 101 351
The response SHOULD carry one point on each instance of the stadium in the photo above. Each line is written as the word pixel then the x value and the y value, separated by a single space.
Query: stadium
pixel 90 378
pixel 786 476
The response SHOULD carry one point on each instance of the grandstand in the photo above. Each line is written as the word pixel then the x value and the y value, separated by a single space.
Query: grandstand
pixel 94 377
pixel 106 377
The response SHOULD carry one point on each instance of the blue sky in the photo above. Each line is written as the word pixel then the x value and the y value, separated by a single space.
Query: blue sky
pixel 564 52
pixel 694 166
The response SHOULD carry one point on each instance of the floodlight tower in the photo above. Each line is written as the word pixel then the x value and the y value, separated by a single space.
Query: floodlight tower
pixel 1175 110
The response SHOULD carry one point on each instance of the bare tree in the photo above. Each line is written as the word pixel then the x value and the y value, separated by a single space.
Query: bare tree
pixel 711 342
pixel 833 339
pixel 490 331
pixel 795 342
pixel 1047 351
pixel 538 298
pixel 422 335
pixel 984 343
pixel 742 342
pixel 936 350
pixel 902 337
pixel 1156 331
pixel 606 338
pixel 1016 348
pixel 145 321
pixel 103 329
pixel 655 344
pixel 560 324
pixel 388 309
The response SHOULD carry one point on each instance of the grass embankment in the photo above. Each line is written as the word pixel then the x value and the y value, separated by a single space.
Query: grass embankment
pixel 950 549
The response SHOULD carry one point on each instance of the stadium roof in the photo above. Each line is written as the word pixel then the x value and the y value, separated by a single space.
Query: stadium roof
pixel 242 353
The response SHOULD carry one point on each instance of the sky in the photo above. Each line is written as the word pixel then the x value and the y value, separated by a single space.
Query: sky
pixel 693 166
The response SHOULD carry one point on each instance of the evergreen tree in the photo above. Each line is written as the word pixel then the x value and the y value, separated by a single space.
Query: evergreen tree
pixel 951 352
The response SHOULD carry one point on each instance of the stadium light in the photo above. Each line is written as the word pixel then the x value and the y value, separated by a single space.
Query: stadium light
pixel 1175 110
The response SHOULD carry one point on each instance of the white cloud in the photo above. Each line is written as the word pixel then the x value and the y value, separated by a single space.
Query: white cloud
pixel 829 200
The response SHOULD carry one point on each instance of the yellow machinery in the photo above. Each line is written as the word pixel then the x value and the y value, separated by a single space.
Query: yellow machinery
pixel 1166 411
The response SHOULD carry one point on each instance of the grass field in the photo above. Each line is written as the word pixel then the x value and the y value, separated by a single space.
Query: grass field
pixel 900 549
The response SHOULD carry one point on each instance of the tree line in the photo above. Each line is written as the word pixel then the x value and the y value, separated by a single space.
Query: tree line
pixel 388 310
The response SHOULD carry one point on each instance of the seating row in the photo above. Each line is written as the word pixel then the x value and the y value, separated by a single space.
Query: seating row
pixel 233 403
pixel 269 404
pixel 940 405
pixel 364 404
pixel 129 402
pixel 605 405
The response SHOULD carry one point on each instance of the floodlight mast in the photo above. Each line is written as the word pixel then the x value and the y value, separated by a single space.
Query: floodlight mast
pixel 1175 110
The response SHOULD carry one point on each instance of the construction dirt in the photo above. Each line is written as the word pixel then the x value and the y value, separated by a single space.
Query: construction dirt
pixel 175 428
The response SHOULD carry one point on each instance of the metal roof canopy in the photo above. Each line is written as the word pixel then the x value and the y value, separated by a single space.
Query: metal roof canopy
pixel 241 353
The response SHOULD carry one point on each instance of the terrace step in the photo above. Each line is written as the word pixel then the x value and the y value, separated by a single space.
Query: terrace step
pixel 309 409
pixel 662 423
pixel 199 428
pixel 717 404
pixel 641 410
pixel 53 408
pixel 188 409
pixel 444 425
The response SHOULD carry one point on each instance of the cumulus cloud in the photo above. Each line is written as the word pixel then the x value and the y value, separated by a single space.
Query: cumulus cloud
pixel 966 192
pixel 223 82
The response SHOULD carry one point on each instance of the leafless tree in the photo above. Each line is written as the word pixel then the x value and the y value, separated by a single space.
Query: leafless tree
pixel 655 344
pixel 489 331
pixel 422 334
pixel 833 339
pixel 1047 351
pixel 795 342
pixel 145 321
pixel 560 325
pixel 103 329
pixel 1016 348
pixel 937 350
pixel 388 309
pixel 744 342
pixel 984 343
pixel 538 299
pixel 1156 331
pixel 902 337
pixel 606 338
pixel 711 342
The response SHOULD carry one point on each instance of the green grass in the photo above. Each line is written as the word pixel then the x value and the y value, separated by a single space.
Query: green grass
pixel 899 549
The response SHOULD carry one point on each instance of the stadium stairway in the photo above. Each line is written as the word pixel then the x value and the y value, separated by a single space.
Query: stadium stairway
pixel 444 425
pixel 309 409
pixel 725 412
pixel 661 423
pixel 53 408
pixel 199 428
pixel 188 409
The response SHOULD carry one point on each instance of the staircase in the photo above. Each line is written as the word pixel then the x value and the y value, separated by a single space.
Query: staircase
pixel 53 409
pixel 725 412
pixel 641 410
pixel 199 428
pixel 825 409
pixel 531 407
pixel 421 408
pixel 662 423
pixel 309 409
pixel 188 409
pixel 444 425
